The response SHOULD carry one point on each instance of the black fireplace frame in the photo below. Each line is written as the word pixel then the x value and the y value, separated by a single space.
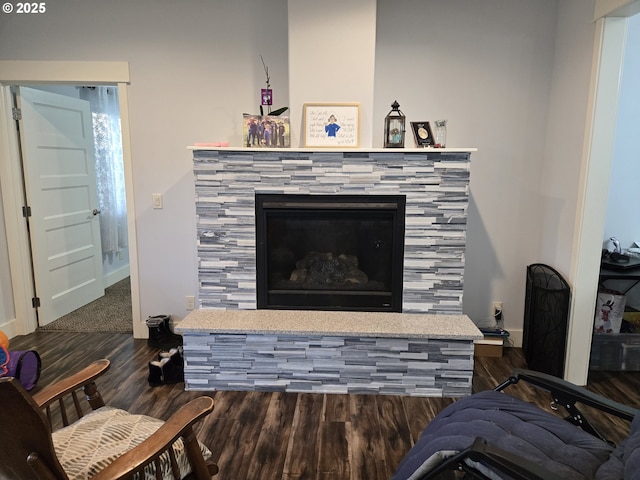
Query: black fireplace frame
pixel 390 301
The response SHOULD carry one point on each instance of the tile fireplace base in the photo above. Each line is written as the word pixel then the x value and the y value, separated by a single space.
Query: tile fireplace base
pixel 329 352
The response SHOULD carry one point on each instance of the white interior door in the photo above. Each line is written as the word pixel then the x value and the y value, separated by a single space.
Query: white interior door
pixel 58 156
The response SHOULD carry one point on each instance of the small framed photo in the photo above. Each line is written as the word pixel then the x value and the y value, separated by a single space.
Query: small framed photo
pixel 329 125
pixel 422 134
pixel 266 131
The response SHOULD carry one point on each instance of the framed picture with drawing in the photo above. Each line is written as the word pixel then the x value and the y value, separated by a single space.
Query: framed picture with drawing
pixel 329 125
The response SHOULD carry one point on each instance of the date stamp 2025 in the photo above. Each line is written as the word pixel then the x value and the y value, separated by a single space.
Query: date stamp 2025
pixel 24 7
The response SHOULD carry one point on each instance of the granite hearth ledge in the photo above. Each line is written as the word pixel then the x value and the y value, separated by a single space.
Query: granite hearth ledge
pixel 340 323
pixel 375 353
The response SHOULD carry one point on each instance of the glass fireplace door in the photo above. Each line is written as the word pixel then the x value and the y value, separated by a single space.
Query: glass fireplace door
pixel 330 252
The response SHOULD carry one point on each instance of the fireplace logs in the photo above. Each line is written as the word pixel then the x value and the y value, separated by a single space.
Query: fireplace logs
pixel 323 270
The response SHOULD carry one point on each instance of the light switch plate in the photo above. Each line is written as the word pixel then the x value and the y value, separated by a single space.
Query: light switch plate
pixel 190 302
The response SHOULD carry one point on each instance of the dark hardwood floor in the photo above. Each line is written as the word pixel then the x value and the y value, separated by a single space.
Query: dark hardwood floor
pixel 263 435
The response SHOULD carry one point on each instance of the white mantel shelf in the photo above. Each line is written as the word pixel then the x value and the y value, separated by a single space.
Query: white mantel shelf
pixel 319 150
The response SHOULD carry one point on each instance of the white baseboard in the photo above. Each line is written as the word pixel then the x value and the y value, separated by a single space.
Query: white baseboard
pixel 515 338
pixel 11 328
pixel 115 276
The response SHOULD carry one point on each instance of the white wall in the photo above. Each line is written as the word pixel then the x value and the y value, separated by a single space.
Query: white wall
pixel 490 67
pixel 565 131
pixel 623 218
pixel 487 68
pixel 331 58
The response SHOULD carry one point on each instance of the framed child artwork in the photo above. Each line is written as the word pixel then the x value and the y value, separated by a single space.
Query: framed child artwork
pixel 329 125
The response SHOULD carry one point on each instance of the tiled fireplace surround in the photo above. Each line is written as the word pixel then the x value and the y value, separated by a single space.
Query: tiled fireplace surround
pixel 436 186
pixel 435 183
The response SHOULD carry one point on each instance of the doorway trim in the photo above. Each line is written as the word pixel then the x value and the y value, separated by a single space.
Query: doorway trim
pixel 54 72
pixel 611 22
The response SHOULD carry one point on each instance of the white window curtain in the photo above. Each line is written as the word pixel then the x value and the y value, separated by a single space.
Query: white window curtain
pixel 109 166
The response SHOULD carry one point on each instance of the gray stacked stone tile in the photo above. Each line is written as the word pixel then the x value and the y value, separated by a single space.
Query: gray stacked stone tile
pixel 436 185
pixel 329 364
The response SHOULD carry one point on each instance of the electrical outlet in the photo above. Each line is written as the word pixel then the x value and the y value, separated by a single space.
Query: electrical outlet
pixel 190 302
pixel 496 311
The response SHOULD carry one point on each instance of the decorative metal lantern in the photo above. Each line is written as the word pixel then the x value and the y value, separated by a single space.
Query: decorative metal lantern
pixel 394 127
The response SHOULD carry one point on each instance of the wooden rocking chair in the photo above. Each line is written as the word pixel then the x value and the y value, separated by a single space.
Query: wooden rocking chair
pixel 106 443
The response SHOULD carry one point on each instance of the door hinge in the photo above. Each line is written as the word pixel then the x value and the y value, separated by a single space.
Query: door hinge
pixel 17 113
pixel 26 211
pixel 35 301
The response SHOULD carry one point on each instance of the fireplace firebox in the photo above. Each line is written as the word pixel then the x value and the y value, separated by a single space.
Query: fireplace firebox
pixel 330 252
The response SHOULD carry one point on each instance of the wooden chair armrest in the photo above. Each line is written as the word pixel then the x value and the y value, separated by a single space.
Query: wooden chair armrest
pixel 178 425
pixel 58 390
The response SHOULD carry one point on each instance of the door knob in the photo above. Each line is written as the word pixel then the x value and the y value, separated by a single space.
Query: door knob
pixel 96 211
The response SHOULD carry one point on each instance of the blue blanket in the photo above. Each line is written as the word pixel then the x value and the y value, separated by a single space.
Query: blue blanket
pixel 523 429
pixel 624 462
